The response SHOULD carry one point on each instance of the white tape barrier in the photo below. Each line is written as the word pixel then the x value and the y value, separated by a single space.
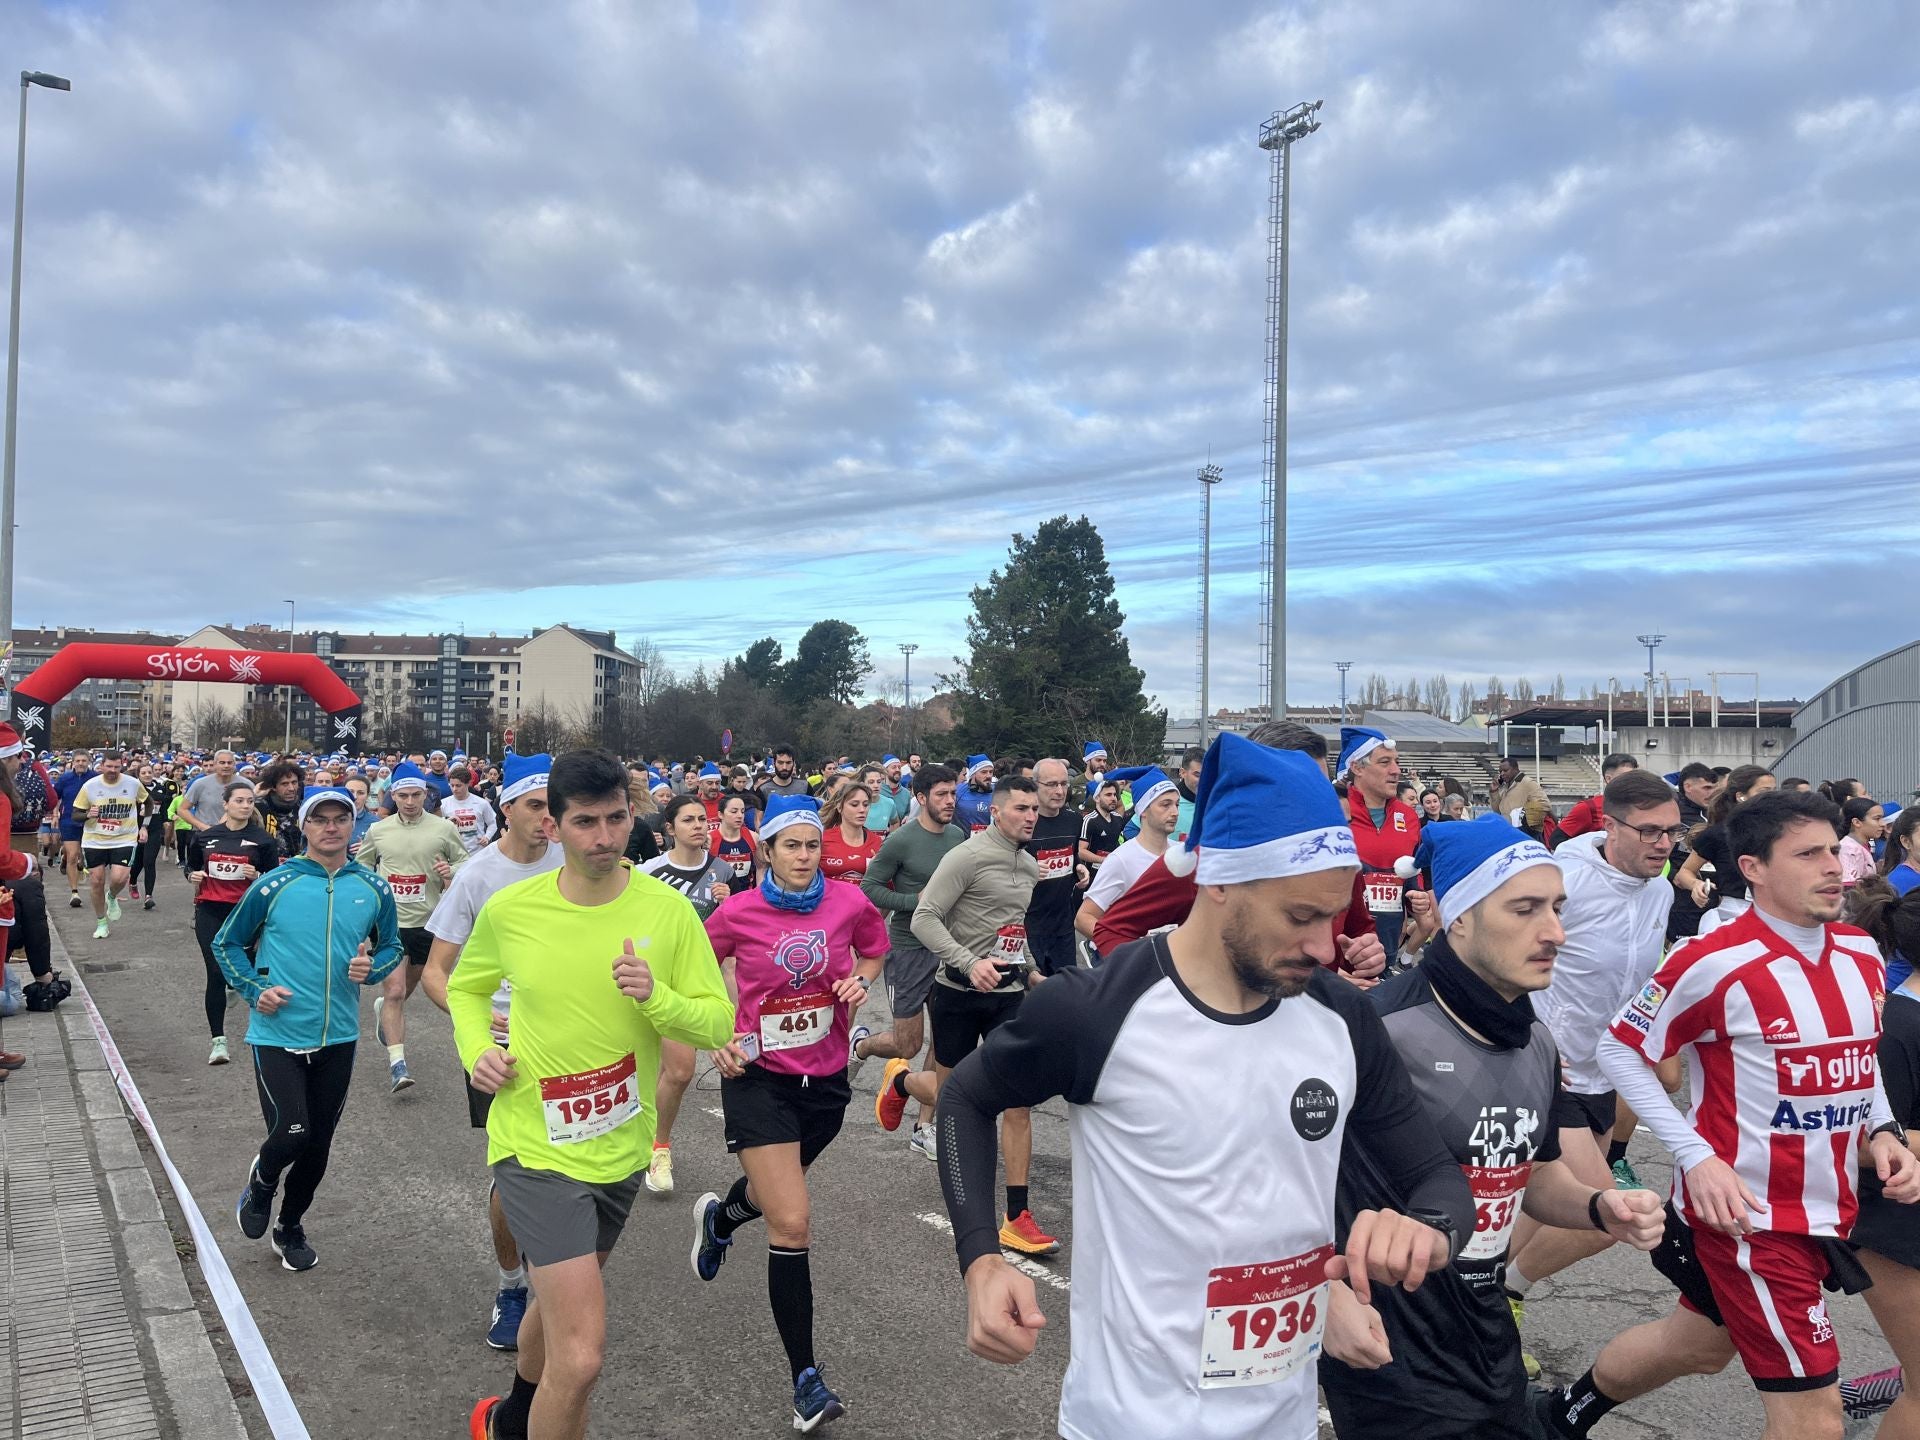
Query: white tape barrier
pixel 283 1417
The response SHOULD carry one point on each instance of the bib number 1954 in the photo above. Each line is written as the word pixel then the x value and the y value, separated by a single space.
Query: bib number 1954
pixel 591 1103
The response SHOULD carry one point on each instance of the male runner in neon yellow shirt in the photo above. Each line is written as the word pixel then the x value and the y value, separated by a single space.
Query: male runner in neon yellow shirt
pixel 605 963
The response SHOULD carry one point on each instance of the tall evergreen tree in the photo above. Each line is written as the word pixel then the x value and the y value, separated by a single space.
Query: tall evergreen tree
pixel 1050 666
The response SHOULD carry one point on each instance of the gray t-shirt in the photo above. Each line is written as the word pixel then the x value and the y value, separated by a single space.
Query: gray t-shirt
pixel 207 799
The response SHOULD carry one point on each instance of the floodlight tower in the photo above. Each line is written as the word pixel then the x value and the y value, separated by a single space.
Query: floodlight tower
pixel 1210 476
pixel 1652 642
pixel 1278 135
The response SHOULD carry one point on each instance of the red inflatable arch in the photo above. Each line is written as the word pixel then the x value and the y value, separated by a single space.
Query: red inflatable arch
pixel 35 696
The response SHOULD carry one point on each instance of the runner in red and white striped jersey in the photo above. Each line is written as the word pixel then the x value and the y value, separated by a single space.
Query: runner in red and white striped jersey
pixel 1779 1013
pixel 1783 1073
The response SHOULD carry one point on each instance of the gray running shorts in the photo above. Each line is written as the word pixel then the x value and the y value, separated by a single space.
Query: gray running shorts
pixel 555 1217
pixel 910 971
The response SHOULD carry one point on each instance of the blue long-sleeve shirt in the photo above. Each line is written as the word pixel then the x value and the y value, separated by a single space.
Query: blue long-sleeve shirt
pixel 304 926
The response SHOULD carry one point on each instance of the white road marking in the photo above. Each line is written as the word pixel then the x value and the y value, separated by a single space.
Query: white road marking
pixel 1026 1266
pixel 715 1111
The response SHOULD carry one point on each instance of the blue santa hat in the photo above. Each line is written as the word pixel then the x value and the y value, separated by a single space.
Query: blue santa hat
pixel 1357 742
pixel 975 764
pixel 784 811
pixel 1470 860
pixel 1260 814
pixel 523 773
pixel 889 759
pixel 1149 783
pixel 1093 750
pixel 709 771
pixel 407 776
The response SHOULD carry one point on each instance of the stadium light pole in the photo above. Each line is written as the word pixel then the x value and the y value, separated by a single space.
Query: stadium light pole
pixel 1652 642
pixel 28 79
pixel 1210 476
pixel 907 650
pixel 288 749
pixel 1278 135
pixel 1343 666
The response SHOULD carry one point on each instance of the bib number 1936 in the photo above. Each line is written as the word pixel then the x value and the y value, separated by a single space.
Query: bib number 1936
pixel 1263 1322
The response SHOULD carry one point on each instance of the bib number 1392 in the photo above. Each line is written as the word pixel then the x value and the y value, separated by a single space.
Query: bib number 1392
pixel 1263 1322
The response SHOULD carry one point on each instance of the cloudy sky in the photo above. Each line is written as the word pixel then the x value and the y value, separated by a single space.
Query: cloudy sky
pixel 708 320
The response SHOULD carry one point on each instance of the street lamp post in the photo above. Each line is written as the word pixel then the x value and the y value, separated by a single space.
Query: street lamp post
pixel 907 694
pixel 1278 135
pixel 1613 689
pixel 287 749
pixel 1210 476
pixel 1651 642
pixel 28 79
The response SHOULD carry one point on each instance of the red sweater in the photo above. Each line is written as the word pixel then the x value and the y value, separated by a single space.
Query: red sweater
pixel 1160 897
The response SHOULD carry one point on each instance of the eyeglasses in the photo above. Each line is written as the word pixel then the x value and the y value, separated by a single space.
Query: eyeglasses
pixel 329 819
pixel 1653 834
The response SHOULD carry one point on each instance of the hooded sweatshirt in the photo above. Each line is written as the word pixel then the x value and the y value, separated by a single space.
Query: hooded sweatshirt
pixel 1615 925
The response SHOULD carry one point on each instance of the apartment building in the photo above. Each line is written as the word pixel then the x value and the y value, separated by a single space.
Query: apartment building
pixel 132 711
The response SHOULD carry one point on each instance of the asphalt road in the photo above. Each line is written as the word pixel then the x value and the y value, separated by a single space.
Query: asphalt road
pixel 384 1337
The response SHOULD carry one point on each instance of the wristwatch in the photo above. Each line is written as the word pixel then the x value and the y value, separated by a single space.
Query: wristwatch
pixel 1440 1221
pixel 1893 1128
pixel 865 982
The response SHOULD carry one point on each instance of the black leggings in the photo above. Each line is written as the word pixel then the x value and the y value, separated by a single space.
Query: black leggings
pixel 30 923
pixel 208 917
pixel 301 1097
pixel 147 858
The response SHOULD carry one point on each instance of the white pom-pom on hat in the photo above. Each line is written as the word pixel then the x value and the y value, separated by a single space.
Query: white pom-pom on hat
pixel 1180 861
pixel 1405 867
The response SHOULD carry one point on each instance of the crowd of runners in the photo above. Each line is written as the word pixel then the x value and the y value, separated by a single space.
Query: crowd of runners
pixel 1350 1070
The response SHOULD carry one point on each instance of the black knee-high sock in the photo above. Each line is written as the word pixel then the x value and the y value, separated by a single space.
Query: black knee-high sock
pixel 790 1290
pixel 1578 1407
pixel 510 1415
pixel 735 1211
pixel 1016 1201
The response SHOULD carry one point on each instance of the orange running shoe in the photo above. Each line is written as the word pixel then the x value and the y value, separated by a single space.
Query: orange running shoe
pixel 480 1423
pixel 889 1105
pixel 1023 1234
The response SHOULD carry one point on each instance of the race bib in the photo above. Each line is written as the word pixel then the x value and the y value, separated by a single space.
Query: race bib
pixel 1382 892
pixel 743 868
pixel 1009 946
pixel 1263 1322
pixel 408 887
pixel 225 867
pixel 1497 1193
pixel 1055 864
pixel 106 825
pixel 793 1022
pixel 591 1103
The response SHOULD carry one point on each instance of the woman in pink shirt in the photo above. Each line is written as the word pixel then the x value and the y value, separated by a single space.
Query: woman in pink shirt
pixel 799 956
pixel 1865 823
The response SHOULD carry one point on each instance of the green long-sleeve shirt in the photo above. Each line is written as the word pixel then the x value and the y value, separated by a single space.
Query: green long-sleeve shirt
pixel 401 852
pixel 975 908
pixel 896 876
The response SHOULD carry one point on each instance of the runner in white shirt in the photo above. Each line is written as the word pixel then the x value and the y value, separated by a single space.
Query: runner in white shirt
pixel 524 851
pixel 471 814
pixel 1214 1075
pixel 110 804
pixel 1156 804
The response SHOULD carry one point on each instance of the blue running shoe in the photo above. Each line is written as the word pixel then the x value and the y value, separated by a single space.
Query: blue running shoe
pixel 709 1250
pixel 255 1208
pixel 813 1403
pixel 509 1309
pixel 401 1079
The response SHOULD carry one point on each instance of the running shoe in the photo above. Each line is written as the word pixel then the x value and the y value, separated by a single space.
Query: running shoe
pixel 709 1250
pixel 813 1403
pixel 134 891
pixel 922 1142
pixel 290 1244
pixel 889 1105
pixel 401 1079
pixel 1023 1234
pixel 1624 1176
pixel 73 901
pixel 480 1423
pixel 379 1004
pixel 113 907
pixel 147 904
pixel 254 1210
pixel 855 1060
pixel 1870 1395
pixel 218 1054
pixel 1518 1309
pixel 660 1171
pixel 509 1309
pixel 100 930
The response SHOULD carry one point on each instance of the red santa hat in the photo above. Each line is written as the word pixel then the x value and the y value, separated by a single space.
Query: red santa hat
pixel 10 741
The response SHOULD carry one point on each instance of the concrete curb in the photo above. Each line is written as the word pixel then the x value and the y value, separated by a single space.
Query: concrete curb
pixel 190 1374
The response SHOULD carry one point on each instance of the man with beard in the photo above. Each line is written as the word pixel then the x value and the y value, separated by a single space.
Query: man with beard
pixel 785 779
pixel 973 801
pixel 1214 1075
